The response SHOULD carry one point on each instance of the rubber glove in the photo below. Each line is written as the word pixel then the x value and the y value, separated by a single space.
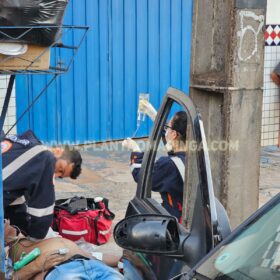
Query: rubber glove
pixel 131 145
pixel 146 107
pixel 51 234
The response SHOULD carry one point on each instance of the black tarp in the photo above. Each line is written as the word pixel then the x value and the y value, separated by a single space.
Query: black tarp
pixel 21 13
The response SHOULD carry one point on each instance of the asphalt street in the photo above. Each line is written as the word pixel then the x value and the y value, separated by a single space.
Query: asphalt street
pixel 106 173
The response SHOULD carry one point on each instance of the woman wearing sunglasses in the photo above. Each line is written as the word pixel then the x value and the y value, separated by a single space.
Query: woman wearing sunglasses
pixel 169 170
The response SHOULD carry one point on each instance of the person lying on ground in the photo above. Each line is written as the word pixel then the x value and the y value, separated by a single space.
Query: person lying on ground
pixel 29 169
pixel 60 258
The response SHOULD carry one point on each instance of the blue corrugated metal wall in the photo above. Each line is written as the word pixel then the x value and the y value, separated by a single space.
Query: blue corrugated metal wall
pixel 133 46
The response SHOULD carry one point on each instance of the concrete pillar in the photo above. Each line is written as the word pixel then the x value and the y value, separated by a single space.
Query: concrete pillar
pixel 226 86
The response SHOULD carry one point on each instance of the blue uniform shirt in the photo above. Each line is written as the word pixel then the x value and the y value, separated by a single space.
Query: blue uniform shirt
pixel 32 184
pixel 166 179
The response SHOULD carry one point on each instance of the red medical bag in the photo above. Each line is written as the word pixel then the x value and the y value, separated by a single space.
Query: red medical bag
pixel 83 218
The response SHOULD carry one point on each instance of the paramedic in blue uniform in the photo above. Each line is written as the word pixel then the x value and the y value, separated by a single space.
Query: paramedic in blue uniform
pixel 29 170
pixel 168 173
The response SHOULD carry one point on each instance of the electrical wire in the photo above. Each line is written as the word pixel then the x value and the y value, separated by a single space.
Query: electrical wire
pixel 61 252
pixel 11 246
pixel 16 238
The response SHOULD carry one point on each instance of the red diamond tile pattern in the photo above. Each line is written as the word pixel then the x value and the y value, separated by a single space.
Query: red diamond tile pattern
pixel 272 35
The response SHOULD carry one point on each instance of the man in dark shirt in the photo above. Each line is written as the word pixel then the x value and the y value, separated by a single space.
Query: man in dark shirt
pixel 28 181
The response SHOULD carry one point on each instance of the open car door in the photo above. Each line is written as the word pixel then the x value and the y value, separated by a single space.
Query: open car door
pixel 204 221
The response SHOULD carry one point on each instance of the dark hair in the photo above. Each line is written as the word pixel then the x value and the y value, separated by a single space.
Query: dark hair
pixel 179 124
pixel 73 156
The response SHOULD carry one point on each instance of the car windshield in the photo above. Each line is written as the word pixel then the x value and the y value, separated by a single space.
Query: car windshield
pixel 253 254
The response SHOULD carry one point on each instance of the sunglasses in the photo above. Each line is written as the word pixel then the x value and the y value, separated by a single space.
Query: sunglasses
pixel 167 126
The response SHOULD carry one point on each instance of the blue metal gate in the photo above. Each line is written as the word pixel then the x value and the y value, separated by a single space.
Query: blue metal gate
pixel 133 46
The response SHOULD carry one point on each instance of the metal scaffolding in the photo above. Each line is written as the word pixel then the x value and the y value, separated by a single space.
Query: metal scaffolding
pixel 59 64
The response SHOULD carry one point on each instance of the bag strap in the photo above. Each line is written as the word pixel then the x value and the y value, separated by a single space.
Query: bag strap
pixel 96 227
pixel 108 214
pixel 180 166
pixel 21 160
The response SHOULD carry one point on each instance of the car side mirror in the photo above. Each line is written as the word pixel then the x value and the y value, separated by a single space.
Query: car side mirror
pixel 157 234
pixel 154 234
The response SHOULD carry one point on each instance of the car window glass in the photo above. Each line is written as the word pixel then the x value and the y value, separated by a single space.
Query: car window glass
pixel 253 254
pixel 168 176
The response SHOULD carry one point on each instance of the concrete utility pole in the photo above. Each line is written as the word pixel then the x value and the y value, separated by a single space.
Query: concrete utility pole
pixel 226 86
